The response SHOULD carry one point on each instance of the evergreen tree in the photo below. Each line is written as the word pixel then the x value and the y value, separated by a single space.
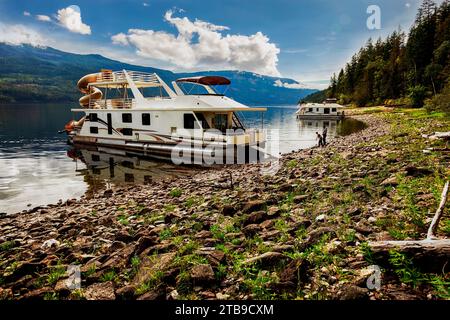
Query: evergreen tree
pixel 396 68
pixel 333 87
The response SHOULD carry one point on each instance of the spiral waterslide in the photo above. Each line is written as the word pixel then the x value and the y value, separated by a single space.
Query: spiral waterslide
pixel 91 93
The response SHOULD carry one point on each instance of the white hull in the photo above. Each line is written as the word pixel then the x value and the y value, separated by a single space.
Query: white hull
pixel 319 117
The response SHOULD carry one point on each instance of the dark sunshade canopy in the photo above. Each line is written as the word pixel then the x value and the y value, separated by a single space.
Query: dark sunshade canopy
pixel 207 81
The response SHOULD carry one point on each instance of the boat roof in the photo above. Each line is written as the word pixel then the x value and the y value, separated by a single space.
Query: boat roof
pixel 207 80
pixel 322 105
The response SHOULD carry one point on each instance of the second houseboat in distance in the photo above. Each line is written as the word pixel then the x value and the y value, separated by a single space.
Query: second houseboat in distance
pixel 139 111
pixel 329 109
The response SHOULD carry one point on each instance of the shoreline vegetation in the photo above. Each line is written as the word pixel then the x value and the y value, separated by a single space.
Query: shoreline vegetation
pixel 300 234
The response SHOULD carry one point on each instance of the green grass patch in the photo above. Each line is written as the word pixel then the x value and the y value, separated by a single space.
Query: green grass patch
pixel 165 234
pixel 55 274
pixel 218 232
pixel 7 246
pixel 292 164
pixel 109 276
pixel 175 192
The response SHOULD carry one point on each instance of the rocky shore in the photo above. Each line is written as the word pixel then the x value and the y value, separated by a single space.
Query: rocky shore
pixel 234 233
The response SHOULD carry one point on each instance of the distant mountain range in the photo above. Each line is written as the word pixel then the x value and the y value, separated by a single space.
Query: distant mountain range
pixel 35 74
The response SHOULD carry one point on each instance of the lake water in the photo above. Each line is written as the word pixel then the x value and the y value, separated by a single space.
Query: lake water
pixel 37 166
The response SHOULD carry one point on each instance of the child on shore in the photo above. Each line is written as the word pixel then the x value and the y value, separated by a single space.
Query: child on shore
pixel 320 138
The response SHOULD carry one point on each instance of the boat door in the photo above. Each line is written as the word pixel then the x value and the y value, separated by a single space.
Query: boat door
pixel 326 110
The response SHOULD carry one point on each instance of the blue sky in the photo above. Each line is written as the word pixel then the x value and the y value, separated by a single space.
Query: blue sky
pixel 306 40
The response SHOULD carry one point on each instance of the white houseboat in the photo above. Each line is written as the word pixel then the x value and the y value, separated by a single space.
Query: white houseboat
pixel 329 109
pixel 139 111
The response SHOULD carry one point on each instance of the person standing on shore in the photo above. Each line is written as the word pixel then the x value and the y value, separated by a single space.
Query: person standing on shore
pixel 320 138
pixel 324 136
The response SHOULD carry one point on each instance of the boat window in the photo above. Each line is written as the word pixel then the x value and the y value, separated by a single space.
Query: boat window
pixel 129 177
pixel 127 118
pixel 95 157
pixel 127 132
pixel 94 130
pixel 317 109
pixel 310 110
pixel 202 120
pixel 189 121
pixel 93 117
pixel 221 122
pixel 334 109
pixel 326 111
pixel 146 119
pixel 128 164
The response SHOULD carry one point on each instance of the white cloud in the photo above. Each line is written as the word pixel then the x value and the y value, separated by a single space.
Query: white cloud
pixel 44 18
pixel 319 85
pixel 121 38
pixel 408 5
pixel 297 85
pixel 201 44
pixel 19 34
pixel 70 18
pixel 26 14
pixel 145 4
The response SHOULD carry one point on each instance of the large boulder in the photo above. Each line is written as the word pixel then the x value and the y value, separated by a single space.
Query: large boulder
pixel 100 291
pixel 228 210
pixel 202 273
pixel 293 275
pixel 151 265
pixel 352 292
pixel 256 217
pixel 315 235
pixel 253 206
pixel 120 259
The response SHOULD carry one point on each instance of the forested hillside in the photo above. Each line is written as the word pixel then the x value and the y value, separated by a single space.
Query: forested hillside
pixel 404 69
pixel 34 74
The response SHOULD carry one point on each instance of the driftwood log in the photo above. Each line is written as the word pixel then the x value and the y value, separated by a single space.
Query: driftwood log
pixel 438 135
pixel 431 253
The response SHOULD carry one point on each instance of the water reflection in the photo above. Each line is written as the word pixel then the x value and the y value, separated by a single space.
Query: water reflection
pixel 334 127
pixel 296 134
pixel 34 168
pixel 103 167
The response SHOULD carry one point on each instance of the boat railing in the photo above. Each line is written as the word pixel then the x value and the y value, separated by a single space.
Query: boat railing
pixel 112 104
pixel 119 76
